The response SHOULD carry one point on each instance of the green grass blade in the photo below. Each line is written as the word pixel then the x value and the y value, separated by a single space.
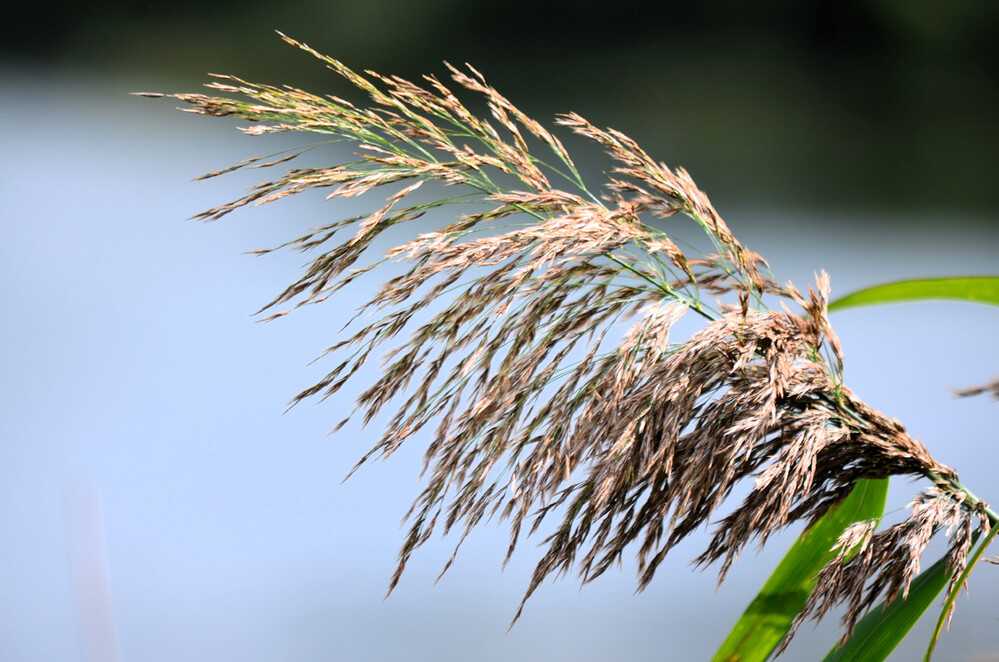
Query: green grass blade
pixel 769 615
pixel 972 562
pixel 879 632
pixel 977 289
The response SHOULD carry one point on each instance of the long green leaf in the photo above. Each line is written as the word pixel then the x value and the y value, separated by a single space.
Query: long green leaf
pixel 879 632
pixel 972 561
pixel 978 289
pixel 769 615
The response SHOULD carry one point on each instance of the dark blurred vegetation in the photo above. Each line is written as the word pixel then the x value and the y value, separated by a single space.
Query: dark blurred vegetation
pixel 890 104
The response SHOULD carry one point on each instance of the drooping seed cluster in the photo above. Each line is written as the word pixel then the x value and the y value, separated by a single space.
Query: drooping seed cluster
pixel 874 566
pixel 506 336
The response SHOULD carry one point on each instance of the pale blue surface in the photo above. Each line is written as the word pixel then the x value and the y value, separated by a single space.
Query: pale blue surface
pixel 132 368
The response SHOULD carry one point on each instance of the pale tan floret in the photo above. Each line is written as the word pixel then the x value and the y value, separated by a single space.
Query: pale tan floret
pixel 992 387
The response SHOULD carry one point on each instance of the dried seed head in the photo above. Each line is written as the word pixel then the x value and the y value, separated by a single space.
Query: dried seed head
pixel 545 407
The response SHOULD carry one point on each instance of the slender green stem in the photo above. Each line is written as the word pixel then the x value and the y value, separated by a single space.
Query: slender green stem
pixel 664 287
pixel 948 607
pixel 969 496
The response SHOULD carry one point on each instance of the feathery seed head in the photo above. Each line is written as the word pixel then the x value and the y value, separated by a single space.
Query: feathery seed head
pixel 506 338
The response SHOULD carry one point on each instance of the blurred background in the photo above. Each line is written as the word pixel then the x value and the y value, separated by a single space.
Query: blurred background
pixel 157 505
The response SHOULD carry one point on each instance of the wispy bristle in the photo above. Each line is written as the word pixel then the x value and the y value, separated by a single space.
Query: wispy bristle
pixel 992 387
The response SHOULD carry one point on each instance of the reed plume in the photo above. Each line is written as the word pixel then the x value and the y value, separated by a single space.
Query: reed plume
pixel 536 337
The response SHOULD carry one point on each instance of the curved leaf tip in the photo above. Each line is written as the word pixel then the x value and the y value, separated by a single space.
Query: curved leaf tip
pixel 975 289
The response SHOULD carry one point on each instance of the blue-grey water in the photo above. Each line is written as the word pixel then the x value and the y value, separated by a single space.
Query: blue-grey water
pixel 158 506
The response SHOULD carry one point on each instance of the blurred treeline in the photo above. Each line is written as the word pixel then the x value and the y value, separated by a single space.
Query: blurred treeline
pixel 885 104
